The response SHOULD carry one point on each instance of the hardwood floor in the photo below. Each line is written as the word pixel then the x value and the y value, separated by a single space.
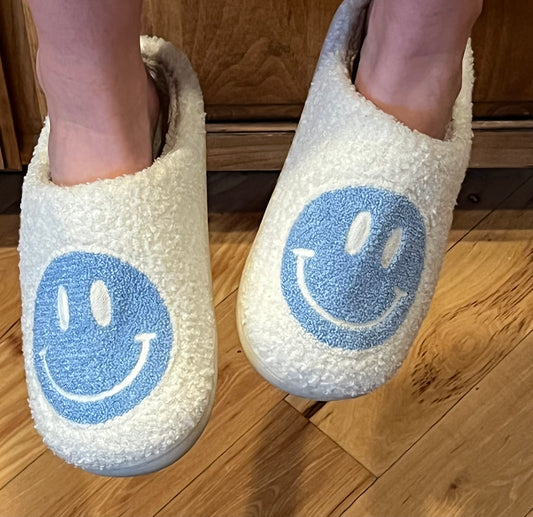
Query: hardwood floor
pixel 449 435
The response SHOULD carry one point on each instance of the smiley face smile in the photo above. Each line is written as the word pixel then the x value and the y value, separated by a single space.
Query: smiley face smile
pixel 352 264
pixel 304 254
pixel 144 339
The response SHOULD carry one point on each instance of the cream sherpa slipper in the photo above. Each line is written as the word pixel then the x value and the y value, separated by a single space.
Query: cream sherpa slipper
pixel 344 266
pixel 118 325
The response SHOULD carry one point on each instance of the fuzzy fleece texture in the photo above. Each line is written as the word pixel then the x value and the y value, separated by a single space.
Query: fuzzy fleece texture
pixel 346 152
pixel 148 229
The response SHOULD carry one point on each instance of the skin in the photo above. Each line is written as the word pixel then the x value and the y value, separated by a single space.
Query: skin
pixel 410 64
pixel 103 107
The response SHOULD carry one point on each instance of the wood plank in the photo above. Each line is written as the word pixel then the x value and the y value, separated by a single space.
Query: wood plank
pixel 285 125
pixel 9 151
pixel 483 190
pixel 282 466
pixel 20 443
pixel 504 148
pixel 255 60
pixel 503 109
pixel 481 309
pixel 9 289
pixel 477 460
pixel 502 124
pixel 257 150
pixel 253 112
pixel 231 236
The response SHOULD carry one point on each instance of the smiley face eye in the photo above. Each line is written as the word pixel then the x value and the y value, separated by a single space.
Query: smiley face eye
pixel 100 303
pixel 391 247
pixel 62 308
pixel 358 233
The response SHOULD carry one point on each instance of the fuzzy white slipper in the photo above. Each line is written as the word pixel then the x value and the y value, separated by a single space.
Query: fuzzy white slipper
pixel 118 325
pixel 345 263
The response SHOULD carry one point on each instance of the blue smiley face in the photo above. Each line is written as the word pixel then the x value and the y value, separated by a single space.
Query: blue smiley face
pixel 352 264
pixel 101 336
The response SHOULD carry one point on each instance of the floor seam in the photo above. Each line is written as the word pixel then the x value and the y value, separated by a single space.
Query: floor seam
pixel 216 458
pixel 21 471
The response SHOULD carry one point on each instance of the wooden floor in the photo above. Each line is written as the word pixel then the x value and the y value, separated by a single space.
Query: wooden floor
pixel 451 434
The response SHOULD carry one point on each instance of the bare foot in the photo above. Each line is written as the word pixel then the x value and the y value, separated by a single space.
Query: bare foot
pixel 411 59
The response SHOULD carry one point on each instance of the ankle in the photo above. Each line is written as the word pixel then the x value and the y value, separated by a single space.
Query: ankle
pixel 411 59
pixel 85 90
pixel 421 94
pixel 101 124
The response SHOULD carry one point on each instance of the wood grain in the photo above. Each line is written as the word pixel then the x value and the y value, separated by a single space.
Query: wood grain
pixel 277 469
pixel 481 309
pixel 20 444
pixel 502 148
pixel 230 239
pixel 247 51
pixel 9 289
pixel 253 151
pixel 476 461
pixel 9 152
pixel 501 42
pixel 18 62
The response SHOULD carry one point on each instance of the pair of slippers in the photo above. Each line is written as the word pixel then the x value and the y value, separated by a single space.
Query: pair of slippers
pixel 118 324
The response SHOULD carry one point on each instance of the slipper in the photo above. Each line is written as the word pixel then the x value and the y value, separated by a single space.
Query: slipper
pixel 345 263
pixel 118 322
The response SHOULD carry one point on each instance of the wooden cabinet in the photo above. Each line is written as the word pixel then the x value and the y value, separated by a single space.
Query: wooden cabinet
pixel 255 60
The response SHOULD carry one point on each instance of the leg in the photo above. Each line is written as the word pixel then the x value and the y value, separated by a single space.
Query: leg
pixel 103 107
pixel 411 58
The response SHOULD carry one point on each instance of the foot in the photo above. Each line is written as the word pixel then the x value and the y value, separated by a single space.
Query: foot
pixel 410 64
pixel 101 121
